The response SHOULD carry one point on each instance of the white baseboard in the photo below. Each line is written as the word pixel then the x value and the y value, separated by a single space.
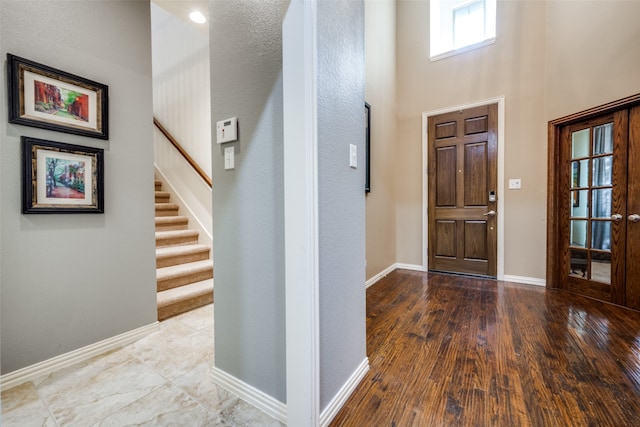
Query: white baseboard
pixel 373 280
pixel 343 394
pixel 251 395
pixel 383 273
pixel 48 366
pixel 525 280
pixel 414 267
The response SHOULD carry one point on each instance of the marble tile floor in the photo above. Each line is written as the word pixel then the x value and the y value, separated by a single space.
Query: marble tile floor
pixel 163 379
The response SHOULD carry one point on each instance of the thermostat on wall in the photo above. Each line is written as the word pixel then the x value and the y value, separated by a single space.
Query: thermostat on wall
pixel 227 130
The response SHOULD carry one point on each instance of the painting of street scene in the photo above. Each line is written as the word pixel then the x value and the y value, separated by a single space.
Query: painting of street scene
pixel 61 102
pixel 65 178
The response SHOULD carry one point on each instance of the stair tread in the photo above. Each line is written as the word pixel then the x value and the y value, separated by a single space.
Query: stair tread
pixel 185 292
pixel 179 250
pixel 176 233
pixel 163 193
pixel 165 273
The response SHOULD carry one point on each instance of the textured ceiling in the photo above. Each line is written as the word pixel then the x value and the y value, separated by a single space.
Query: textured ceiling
pixel 182 9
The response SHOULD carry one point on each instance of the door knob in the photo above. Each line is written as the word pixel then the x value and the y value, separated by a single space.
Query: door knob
pixel 493 213
pixel 634 218
pixel 616 217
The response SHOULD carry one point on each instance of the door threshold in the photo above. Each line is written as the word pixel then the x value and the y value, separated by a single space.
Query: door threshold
pixel 453 273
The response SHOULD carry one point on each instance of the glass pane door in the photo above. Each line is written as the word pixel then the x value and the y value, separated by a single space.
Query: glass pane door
pixel 590 193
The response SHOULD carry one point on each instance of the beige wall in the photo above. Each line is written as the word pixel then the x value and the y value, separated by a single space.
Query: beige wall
pixel 545 64
pixel 592 54
pixel 380 52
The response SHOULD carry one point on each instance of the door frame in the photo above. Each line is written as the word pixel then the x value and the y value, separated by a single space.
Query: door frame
pixel 501 192
pixel 554 168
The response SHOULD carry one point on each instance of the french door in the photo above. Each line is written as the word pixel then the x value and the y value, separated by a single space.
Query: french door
pixel 594 204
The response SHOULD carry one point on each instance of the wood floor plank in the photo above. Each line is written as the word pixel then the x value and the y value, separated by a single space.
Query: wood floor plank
pixel 460 351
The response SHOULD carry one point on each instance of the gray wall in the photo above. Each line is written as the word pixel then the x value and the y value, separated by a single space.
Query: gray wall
pixel 248 202
pixel 68 281
pixel 341 192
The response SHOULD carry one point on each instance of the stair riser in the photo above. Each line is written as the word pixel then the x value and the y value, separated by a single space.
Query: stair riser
pixel 186 279
pixel 162 199
pixel 171 227
pixel 181 259
pixel 176 241
pixel 184 306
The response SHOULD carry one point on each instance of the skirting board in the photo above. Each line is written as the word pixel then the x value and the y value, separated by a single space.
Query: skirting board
pixel 372 281
pixel 48 366
pixel 343 394
pixel 525 280
pixel 251 395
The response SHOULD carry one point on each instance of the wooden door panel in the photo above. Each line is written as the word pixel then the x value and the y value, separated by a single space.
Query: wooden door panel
pixel 447 242
pixel 475 240
pixel 445 130
pixel 633 207
pixel 471 266
pixel 462 170
pixel 476 125
pixel 476 191
pixel 446 176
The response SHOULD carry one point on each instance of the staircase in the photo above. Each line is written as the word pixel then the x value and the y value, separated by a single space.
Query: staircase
pixel 184 269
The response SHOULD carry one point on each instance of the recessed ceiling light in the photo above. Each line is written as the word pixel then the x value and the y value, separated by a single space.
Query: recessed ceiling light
pixel 197 17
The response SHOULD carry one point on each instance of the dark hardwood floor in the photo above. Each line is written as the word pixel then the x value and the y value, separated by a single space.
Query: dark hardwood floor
pixel 458 351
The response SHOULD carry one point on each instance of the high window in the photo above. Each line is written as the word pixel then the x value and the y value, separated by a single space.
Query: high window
pixel 461 25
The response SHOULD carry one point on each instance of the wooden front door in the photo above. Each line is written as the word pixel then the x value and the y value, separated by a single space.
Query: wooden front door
pixel 594 220
pixel 463 191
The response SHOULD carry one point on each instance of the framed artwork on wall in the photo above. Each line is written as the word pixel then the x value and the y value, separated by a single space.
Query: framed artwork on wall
pixel 367 147
pixel 44 97
pixel 61 178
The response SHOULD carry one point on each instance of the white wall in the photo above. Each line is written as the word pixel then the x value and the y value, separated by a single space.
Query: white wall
pixel 72 280
pixel 181 83
pixel 182 104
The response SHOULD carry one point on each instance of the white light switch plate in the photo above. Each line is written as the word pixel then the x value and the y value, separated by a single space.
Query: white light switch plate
pixel 228 158
pixel 515 184
pixel 353 156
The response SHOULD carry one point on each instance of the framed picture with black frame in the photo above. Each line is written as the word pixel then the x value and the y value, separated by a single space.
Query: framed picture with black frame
pixel 61 178
pixel 44 97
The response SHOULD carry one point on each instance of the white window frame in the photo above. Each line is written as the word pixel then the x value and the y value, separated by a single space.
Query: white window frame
pixel 442 27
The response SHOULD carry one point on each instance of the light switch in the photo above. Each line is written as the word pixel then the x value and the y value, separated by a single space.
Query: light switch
pixel 515 184
pixel 228 158
pixel 353 156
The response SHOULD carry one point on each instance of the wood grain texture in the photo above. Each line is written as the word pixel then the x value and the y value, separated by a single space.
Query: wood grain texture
pixel 458 351
pixel 633 207
pixel 462 170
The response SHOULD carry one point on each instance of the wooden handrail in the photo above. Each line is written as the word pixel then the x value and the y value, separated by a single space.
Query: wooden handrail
pixel 182 151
